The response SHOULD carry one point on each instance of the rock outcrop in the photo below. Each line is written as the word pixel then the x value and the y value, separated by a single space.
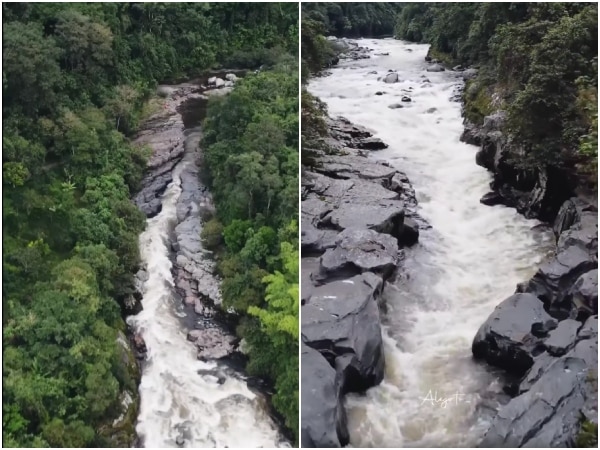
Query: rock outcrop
pixel 535 193
pixel 194 275
pixel 357 214
pixel 547 335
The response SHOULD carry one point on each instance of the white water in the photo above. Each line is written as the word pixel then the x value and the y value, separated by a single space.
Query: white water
pixel 470 260
pixel 175 398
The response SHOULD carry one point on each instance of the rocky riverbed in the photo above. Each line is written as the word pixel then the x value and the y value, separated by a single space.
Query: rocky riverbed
pixel 189 396
pixel 357 215
pixel 530 364
pixel 546 334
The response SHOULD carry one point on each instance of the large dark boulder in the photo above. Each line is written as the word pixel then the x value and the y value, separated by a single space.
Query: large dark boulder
pixel 512 334
pixel 563 337
pixel 360 250
pixel 556 277
pixel 341 319
pixel 323 422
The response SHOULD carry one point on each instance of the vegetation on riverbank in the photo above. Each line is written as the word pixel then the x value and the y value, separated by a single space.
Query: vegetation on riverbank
pixel 251 151
pixel 539 59
pixel 75 81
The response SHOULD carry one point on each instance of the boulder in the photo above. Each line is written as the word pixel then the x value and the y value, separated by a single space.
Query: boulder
pixel 406 99
pixel 385 216
pixel 492 199
pixel 548 414
pixel 583 295
pixel 436 68
pixel 219 83
pixel 562 338
pixel 323 422
pixel 360 250
pixel 506 339
pixel 341 319
pixel 391 78
pixel 379 93
pixel 555 277
pixel 231 77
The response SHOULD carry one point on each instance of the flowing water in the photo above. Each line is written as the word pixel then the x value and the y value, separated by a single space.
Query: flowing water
pixel 433 394
pixel 199 404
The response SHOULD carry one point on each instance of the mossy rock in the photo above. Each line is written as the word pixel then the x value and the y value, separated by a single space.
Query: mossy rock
pixel 588 435
pixel 478 101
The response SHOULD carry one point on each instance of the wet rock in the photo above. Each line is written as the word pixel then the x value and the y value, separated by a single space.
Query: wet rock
pixel 396 106
pixel 323 422
pixel 385 216
pixel 410 232
pixel 506 339
pixel 379 93
pixel 314 240
pixel 431 110
pixel 139 343
pixel 457 68
pixel 554 278
pixel 360 250
pixel 213 343
pixel 583 295
pixel 231 77
pixel 370 143
pixel 492 199
pixel 391 78
pixel 570 213
pixel 342 318
pixel 562 339
pixel 406 99
pixel 373 72
pixel 547 415
pixel 436 68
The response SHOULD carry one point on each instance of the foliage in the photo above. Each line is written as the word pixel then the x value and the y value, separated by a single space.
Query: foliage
pixel 541 57
pixel 352 19
pixel 76 81
pixel 251 150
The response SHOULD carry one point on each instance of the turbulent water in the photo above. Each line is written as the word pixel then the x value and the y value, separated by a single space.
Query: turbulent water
pixel 433 394
pixel 183 400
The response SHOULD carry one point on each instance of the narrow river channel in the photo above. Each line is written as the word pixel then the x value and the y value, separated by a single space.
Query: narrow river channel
pixel 433 394
pixel 186 402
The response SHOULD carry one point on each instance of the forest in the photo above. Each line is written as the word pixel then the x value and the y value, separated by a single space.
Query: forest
pixel 76 82
pixel 251 152
pixel 539 58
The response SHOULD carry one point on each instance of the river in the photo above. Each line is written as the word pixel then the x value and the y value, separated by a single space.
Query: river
pixel 433 394
pixel 184 401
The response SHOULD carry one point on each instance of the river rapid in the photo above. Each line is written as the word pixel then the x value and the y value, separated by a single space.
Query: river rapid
pixel 433 394
pixel 186 402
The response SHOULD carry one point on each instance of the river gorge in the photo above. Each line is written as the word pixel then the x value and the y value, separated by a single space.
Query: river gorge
pixel 468 259
pixel 191 395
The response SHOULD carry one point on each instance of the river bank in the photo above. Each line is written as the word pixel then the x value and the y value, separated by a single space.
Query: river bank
pixel 190 395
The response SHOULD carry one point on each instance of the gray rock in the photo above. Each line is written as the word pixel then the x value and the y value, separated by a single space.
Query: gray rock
pixel 547 415
pixel 231 77
pixel 563 338
pixel 342 318
pixel 436 68
pixel 469 74
pixel 391 78
pixel 396 106
pixel 492 199
pixel 406 99
pixel 506 339
pixel 360 250
pixel 323 422
pixel 583 295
